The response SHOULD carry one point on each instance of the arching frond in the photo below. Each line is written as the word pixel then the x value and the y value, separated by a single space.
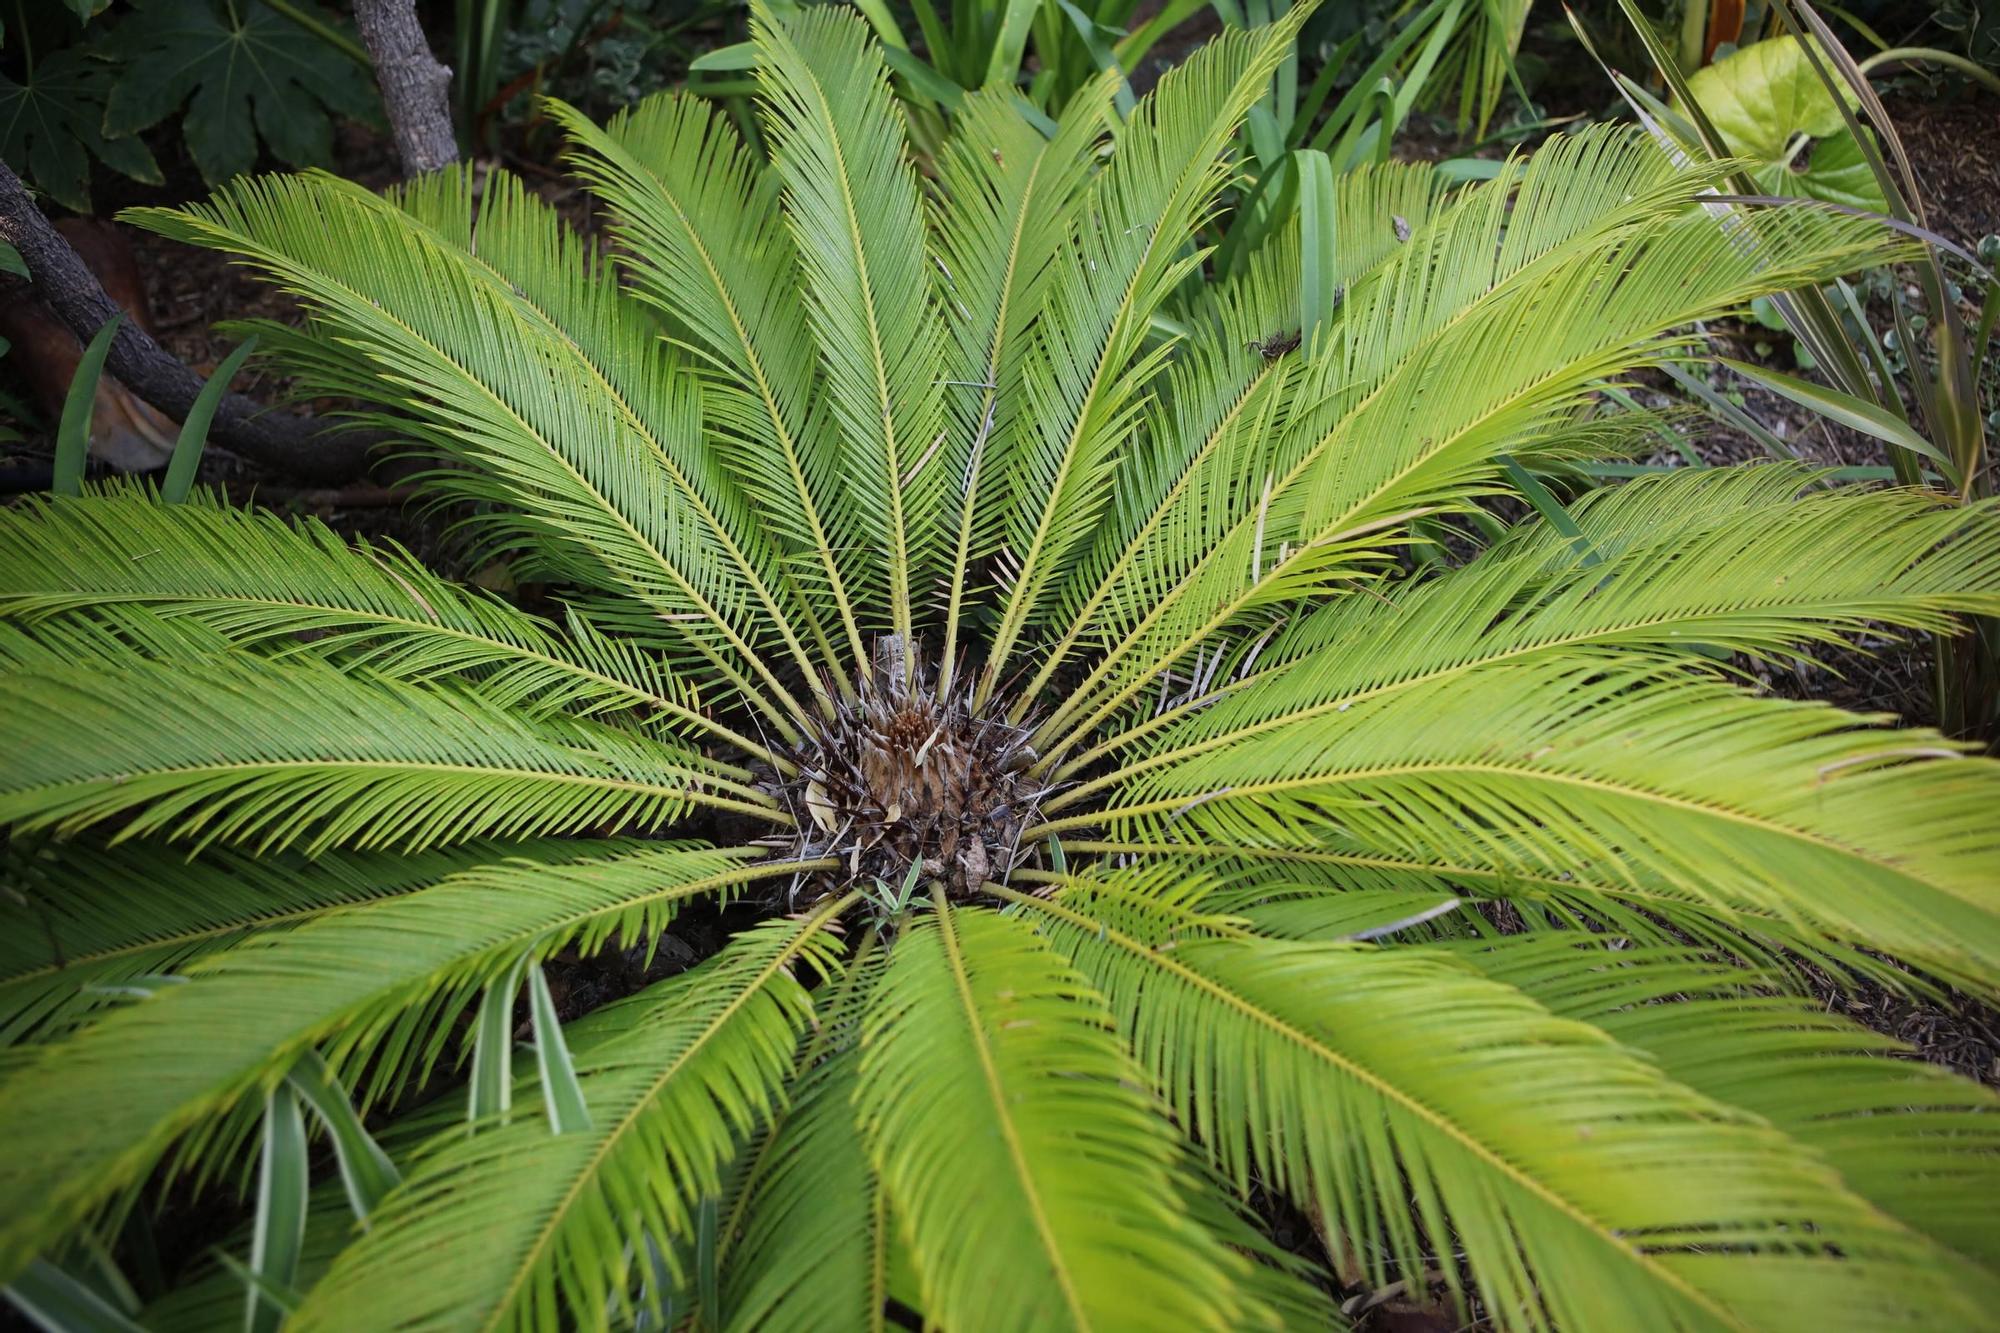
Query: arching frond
pixel 1622 773
pixel 1085 365
pixel 260 580
pixel 1037 1187
pixel 1916 1141
pixel 1689 565
pixel 496 1228
pixel 580 463
pixel 79 923
pixel 806 1244
pixel 1011 200
pixel 700 215
pixel 1424 1108
pixel 387 974
pixel 277 754
pixel 1584 283
pixel 857 221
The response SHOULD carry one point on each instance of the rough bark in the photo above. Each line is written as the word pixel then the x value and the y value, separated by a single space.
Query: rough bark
pixel 416 88
pixel 300 448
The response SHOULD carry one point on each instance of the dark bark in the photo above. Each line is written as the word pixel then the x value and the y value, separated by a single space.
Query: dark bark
pixel 416 89
pixel 298 447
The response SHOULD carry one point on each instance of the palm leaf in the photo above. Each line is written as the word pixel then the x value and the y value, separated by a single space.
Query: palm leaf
pixel 381 976
pixel 274 755
pixel 1620 773
pixel 857 222
pixel 702 214
pixel 488 380
pixel 493 1229
pixel 1425 1109
pixel 1037 1188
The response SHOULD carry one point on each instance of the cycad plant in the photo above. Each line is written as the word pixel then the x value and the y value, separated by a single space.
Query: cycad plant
pixel 1132 833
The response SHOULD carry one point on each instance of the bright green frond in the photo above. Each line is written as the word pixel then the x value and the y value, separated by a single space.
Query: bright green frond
pixel 856 218
pixel 1442 362
pixel 1036 1185
pixel 1086 365
pixel 81 927
pixel 707 245
pixel 1625 774
pixel 806 1245
pixel 1921 1144
pixel 499 1228
pixel 260 580
pixel 578 463
pixel 1011 199
pixel 1425 1109
pixel 298 752
pixel 1686 564
pixel 385 976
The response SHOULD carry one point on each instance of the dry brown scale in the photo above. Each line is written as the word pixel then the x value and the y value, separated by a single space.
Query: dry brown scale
pixel 901 776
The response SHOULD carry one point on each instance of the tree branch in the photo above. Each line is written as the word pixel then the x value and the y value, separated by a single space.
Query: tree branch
pixel 300 448
pixel 416 89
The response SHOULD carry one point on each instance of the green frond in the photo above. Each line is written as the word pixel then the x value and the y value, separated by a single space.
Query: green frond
pixel 577 463
pixel 1621 773
pixel 700 217
pixel 1425 1109
pixel 382 978
pixel 806 1244
pixel 498 1228
pixel 857 221
pixel 298 752
pixel 1689 565
pixel 1010 200
pixel 258 579
pixel 1599 259
pixel 1918 1142
pixel 1036 1186
pixel 81 927
pixel 1086 365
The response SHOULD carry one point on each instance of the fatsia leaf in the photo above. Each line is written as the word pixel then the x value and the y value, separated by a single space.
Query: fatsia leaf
pixel 244 71
pixel 387 975
pixel 1403 1094
pixel 51 126
pixel 492 1229
pixel 1036 1186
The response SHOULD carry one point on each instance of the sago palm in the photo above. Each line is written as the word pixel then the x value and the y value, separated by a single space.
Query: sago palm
pixel 1033 636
